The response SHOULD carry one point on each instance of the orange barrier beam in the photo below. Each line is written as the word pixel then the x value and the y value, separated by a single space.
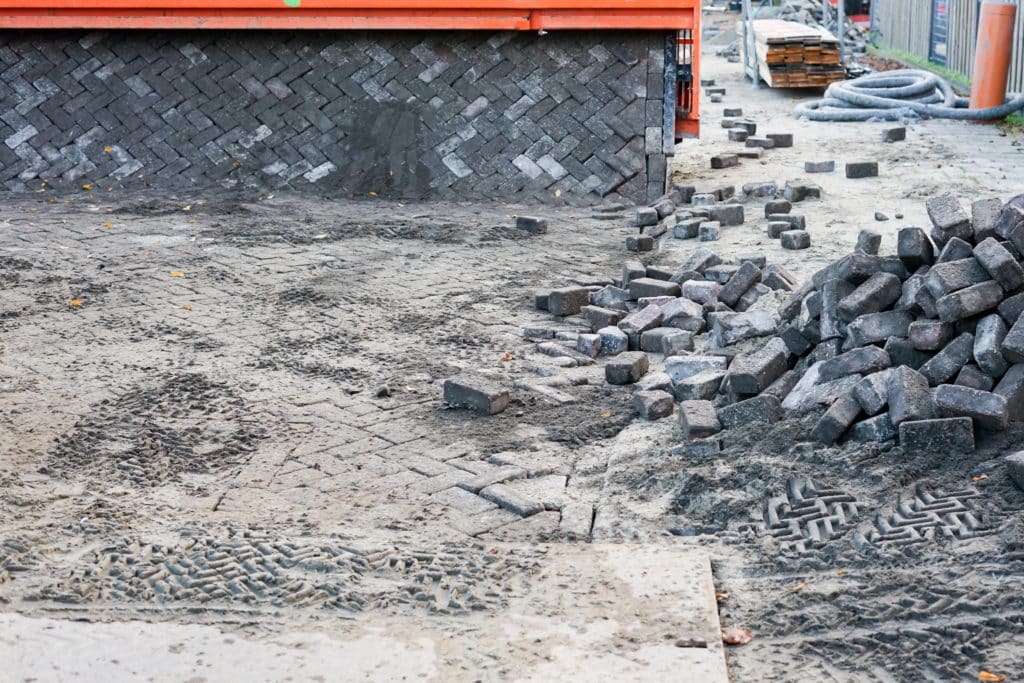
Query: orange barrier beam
pixel 519 15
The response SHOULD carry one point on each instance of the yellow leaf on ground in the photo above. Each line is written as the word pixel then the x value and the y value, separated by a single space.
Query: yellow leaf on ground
pixel 108 225
pixel 185 307
pixel 372 194
pixel 990 677
pixel 980 477
pixel 606 413
pixel 798 587
pixel 506 357
pixel 187 208
pixel 107 149
pixel 177 273
pixel 721 597
pixel 75 303
pixel 87 186
pixel 840 571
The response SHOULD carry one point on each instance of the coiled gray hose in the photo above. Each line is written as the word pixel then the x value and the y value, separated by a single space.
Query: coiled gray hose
pixel 895 95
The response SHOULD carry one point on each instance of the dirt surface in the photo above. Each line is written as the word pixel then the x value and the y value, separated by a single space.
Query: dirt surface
pixel 225 412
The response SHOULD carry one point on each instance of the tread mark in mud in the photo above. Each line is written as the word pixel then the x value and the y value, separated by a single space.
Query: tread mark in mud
pixel 806 517
pixel 257 570
pixel 928 515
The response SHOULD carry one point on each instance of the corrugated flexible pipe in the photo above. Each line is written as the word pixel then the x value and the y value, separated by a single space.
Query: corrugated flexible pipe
pixel 895 95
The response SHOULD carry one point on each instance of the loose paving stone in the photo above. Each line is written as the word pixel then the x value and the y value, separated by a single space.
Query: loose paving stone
pixel 1011 387
pixel 639 243
pixel 945 278
pixel 698 448
pixel 655 381
pixel 878 327
pixel 988 410
pixel 776 228
pixel 894 134
pixel 819 166
pixel 698 419
pixel 1015 468
pixel 931 335
pixel 700 259
pixel 1000 264
pixel 653 405
pixel 709 231
pixel 532 224
pixel 613 341
pixel 1011 217
pixel 748 126
pixel 491 476
pixel 955 250
pixel 727 214
pixel 664 208
pixel 750 153
pixel 868 241
pixel 687 228
pixel 875 294
pixel 576 521
pixel 641 320
pixel 795 239
pixel 632 270
pixel 984 217
pixel 646 216
pixel 795 222
pixel 725 160
pixel 908 395
pixel 682 194
pixel 777 278
pixel 567 301
pixel 679 368
pixel 702 386
pixel 862 169
pixel 626 368
pixel 781 387
pixel 701 291
pixel 796 342
pixel 780 206
pixel 948 219
pixel 989 335
pixel 704 199
pixel 738 135
pixel 681 308
pixel 651 340
pixel 589 345
pixel 860 361
pixel 781 140
pixel 761 189
pixel 477 393
pixel 952 435
pixel 677 343
pixel 874 429
pixel 745 277
pixel 758 410
pixel 601 317
pixel 1013 342
pixel 872 392
pixel 730 328
pixel 968 302
pixel 732 111
pixel 762 143
pixel 836 420
pixel 752 373
pixel 914 248
pixel 751 296
pixel 972 376
pixel 902 352
pixel 611 297
pixel 650 287
pixel 799 191
pixel 540 299
pixel 1011 308
pixel 944 365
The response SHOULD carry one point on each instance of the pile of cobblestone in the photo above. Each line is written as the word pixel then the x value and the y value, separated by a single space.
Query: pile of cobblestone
pixel 925 345
pixel 811 13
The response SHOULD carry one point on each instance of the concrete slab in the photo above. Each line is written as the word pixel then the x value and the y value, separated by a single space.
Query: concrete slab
pixel 588 613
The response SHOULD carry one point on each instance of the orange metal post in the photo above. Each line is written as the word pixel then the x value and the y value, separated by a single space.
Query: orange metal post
pixel 992 56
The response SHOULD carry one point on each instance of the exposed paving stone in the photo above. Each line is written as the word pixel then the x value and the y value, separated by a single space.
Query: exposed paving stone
pixel 862 169
pixel 613 341
pixel 760 409
pixel 698 419
pixel 627 367
pixel 567 301
pixel 937 436
pixel 819 166
pixel 795 239
pixel 931 335
pixel 944 365
pixel 972 376
pixel 1011 387
pixel 894 134
pixel 969 301
pixel 908 395
pixel 868 241
pixel 479 394
pixel 653 405
pixel 532 224
pixel 836 420
pixel 988 410
pixel 877 429
pixel 872 392
pixel 948 219
pixel 1000 264
pixel 860 361
pixel 988 341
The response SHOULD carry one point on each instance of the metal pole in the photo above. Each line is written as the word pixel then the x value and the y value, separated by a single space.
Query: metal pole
pixel 841 30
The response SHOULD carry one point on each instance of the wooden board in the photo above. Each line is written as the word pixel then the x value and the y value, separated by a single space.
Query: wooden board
pixel 793 55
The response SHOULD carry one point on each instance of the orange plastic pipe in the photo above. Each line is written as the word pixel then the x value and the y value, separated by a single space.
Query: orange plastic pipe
pixel 992 56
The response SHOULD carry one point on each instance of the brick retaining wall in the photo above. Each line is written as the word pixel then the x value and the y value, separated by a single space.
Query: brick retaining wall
pixel 569 116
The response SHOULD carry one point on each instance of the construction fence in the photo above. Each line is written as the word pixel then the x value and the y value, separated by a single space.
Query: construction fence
pixel 943 32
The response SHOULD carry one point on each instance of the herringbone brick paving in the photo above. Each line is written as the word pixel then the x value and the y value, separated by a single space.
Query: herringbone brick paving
pixel 566 117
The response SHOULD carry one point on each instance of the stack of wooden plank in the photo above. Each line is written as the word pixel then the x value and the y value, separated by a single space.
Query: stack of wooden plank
pixel 792 55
